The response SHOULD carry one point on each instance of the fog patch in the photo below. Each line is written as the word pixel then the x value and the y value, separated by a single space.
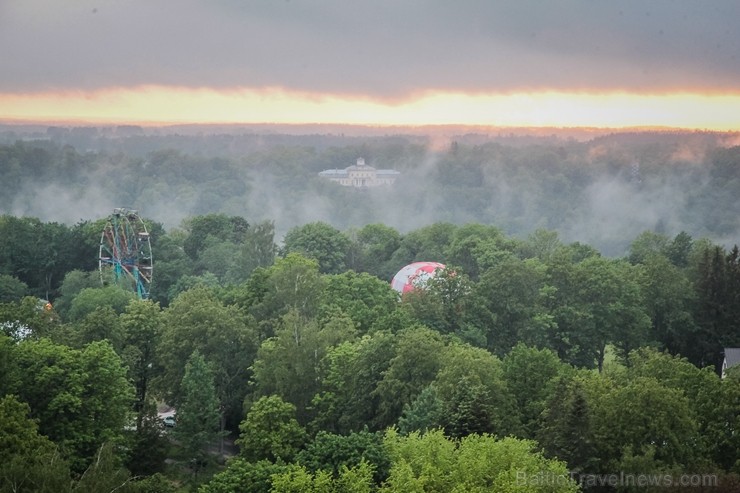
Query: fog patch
pixel 56 203
pixel 617 211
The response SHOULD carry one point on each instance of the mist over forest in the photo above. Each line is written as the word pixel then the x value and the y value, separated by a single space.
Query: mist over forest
pixel 597 188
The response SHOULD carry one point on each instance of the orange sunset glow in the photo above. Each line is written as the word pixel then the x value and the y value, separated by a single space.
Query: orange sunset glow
pixel 159 104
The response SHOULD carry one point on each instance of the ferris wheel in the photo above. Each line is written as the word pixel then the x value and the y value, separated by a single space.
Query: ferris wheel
pixel 125 256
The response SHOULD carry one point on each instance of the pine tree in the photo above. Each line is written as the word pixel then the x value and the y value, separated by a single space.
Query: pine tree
pixel 566 431
pixel 468 411
pixel 198 414
pixel 424 413
pixel 712 309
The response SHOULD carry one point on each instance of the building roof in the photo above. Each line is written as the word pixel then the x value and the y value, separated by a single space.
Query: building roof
pixel 333 172
pixel 363 167
pixel 732 356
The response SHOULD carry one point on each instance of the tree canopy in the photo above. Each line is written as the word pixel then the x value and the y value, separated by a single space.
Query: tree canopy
pixel 530 355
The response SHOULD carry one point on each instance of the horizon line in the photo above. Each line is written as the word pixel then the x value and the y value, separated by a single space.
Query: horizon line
pixel 91 123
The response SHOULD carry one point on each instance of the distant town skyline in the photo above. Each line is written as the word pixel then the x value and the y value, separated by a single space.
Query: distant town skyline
pixel 564 63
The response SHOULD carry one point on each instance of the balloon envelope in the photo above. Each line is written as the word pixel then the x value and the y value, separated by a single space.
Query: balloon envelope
pixel 414 275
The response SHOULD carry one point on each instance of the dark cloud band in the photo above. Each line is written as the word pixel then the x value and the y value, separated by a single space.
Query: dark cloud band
pixel 380 49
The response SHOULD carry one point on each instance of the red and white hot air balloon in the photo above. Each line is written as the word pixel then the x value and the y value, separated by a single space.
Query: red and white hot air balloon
pixel 414 276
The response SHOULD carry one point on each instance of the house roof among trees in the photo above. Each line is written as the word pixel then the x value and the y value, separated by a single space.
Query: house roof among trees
pixel 732 356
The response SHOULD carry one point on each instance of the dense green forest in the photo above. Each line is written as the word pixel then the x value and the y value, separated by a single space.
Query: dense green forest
pixel 522 360
pixel 576 333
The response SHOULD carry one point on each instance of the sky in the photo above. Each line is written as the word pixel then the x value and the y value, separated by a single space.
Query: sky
pixel 563 63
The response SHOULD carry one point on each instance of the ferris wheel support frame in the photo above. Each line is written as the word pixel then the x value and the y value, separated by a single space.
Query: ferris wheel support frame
pixel 125 248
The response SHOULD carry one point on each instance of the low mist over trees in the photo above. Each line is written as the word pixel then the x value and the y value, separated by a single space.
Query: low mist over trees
pixel 601 190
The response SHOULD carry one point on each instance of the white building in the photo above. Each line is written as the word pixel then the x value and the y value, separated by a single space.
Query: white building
pixel 361 175
pixel 732 359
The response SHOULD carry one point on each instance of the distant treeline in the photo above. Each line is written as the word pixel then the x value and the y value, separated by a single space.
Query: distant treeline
pixel 603 192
